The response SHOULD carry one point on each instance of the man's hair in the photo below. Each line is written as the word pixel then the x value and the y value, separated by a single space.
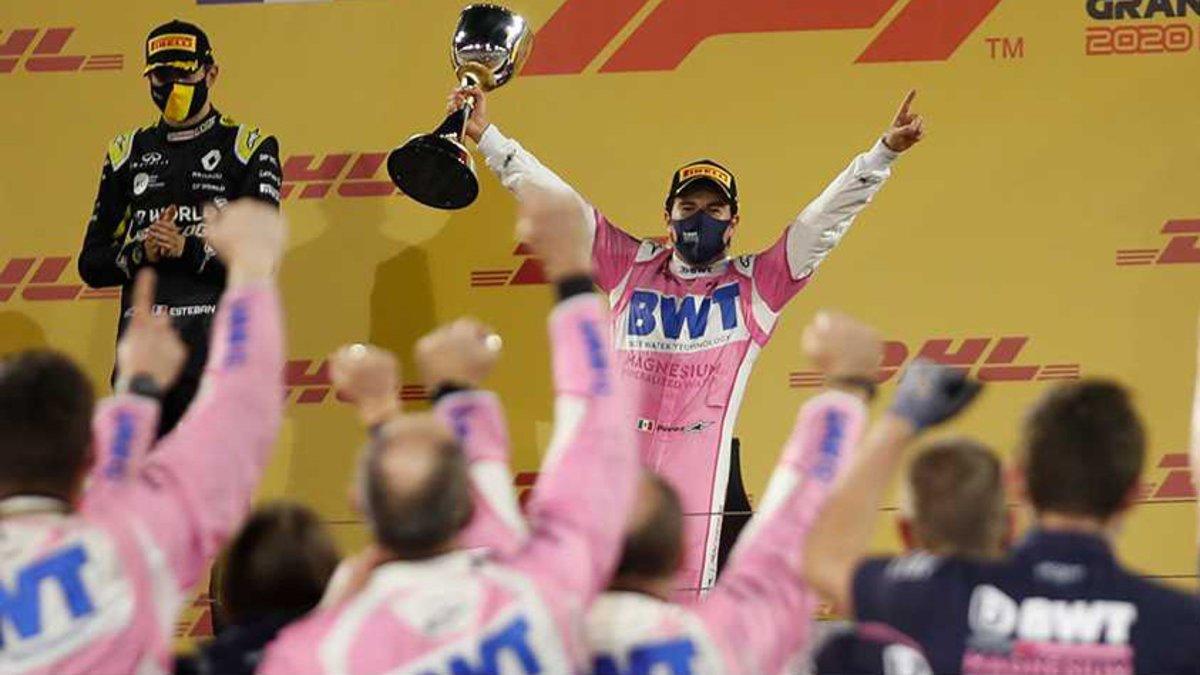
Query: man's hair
pixel 957 491
pixel 418 523
pixel 46 405
pixel 279 563
pixel 1083 446
pixel 654 549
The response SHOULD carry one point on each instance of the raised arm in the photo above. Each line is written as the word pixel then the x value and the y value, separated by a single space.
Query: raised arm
pixel 762 589
pixel 785 267
pixel 195 489
pixel 454 362
pixel 613 249
pixel 125 426
pixel 580 505
pixel 123 431
pixel 477 418
pixel 105 259
pixel 929 394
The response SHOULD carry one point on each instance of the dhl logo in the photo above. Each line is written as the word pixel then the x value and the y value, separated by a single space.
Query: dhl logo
pixel 196 620
pixel 999 364
pixel 1176 483
pixel 353 174
pixel 530 272
pixel 46 54
pixel 308 381
pixel 1182 247
pixel 581 30
pixel 39 279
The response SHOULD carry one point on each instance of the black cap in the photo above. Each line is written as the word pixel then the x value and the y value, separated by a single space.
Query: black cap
pixel 177 44
pixel 704 170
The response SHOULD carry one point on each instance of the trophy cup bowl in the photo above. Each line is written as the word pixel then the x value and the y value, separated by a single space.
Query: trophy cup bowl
pixel 488 49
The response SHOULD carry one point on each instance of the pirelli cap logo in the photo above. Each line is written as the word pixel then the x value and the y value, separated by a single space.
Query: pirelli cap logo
pixel 179 41
pixel 705 171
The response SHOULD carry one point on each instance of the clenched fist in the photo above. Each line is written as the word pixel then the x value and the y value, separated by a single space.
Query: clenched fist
pixel 368 377
pixel 843 347
pixel 462 353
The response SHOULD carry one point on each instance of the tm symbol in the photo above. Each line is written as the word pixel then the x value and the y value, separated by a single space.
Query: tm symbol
pixel 1004 48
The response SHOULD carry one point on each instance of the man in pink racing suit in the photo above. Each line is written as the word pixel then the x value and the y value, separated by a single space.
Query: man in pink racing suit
pixel 92 578
pixel 688 319
pixel 427 605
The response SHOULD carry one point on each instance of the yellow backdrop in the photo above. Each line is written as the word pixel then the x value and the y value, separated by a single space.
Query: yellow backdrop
pixel 1046 229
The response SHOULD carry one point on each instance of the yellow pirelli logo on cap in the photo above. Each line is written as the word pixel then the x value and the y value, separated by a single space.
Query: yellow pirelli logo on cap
pixel 173 41
pixel 707 171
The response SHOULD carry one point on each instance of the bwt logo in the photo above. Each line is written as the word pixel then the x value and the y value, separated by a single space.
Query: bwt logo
pixel 1182 247
pixel 44 283
pixel 46 55
pixel 311 379
pixel 999 364
pixel 924 30
pixel 650 311
pixel 314 179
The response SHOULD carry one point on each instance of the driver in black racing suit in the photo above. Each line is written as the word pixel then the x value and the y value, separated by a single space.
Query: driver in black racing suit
pixel 155 184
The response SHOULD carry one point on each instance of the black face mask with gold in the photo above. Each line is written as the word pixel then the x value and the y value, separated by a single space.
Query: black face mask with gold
pixel 179 101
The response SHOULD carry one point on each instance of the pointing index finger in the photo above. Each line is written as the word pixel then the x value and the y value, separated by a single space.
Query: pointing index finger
pixel 908 99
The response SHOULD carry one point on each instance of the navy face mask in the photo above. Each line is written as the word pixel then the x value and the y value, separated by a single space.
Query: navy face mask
pixel 700 238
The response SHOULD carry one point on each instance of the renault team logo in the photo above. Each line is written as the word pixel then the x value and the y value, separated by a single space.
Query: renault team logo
pixel 39 50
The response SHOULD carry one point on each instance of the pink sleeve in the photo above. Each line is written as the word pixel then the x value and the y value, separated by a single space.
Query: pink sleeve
pixel 577 510
pixel 613 253
pixel 477 419
pixel 762 589
pixel 123 431
pixel 195 488
pixel 773 280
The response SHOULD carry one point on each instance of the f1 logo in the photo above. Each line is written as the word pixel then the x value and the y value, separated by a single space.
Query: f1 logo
pixel 924 30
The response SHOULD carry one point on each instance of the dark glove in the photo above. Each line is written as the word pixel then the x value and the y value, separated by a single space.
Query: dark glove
pixel 930 394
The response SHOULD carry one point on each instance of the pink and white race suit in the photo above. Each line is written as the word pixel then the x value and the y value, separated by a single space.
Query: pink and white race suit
pixel 98 590
pixel 520 608
pixel 688 337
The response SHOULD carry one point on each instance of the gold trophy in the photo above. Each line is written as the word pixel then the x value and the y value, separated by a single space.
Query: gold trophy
pixel 489 47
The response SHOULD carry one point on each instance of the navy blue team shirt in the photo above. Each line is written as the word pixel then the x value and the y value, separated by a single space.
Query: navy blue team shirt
pixel 1059 603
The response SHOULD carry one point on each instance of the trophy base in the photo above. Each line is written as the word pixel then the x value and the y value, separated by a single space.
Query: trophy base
pixel 435 171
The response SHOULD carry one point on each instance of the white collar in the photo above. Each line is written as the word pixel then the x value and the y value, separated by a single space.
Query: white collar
pixel 408 572
pixel 686 270
pixel 27 505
